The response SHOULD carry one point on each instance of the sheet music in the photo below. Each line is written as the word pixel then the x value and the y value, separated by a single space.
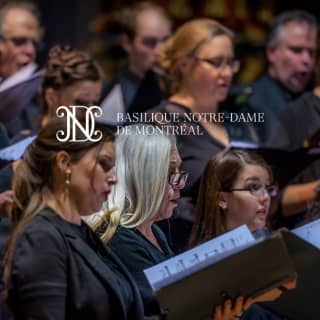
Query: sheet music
pixel 15 151
pixel 227 242
pixel 309 232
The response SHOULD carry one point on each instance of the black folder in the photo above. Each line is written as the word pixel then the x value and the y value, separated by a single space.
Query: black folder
pixel 286 165
pixel 249 272
pixel 301 303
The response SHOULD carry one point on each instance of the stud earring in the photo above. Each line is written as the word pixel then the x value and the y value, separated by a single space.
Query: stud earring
pixel 223 205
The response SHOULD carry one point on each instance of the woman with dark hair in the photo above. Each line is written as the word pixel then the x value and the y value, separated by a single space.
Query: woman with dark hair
pixel 235 189
pixel 55 266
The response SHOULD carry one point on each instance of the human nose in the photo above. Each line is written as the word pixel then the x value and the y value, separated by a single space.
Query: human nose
pixel 307 57
pixel 112 177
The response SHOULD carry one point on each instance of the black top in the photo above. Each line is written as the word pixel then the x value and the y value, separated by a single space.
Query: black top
pixel 271 97
pixel 56 274
pixel 296 126
pixel 138 253
pixel 197 149
pixel 139 94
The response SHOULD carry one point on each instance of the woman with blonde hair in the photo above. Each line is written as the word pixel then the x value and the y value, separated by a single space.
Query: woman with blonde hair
pixel 199 64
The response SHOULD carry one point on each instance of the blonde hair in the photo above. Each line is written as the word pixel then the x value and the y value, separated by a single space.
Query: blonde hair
pixel 142 165
pixel 185 42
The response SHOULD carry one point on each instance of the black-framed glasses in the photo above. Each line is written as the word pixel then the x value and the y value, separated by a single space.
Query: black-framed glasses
pixel 258 190
pixel 176 178
pixel 21 41
pixel 221 63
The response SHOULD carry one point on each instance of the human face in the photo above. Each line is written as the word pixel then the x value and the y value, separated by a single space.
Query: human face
pixel 82 93
pixel 244 207
pixel 171 193
pixel 208 84
pixel 92 178
pixel 152 29
pixel 20 33
pixel 293 59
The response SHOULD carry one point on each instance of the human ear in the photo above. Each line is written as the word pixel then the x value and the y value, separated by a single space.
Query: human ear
pixel 222 202
pixel 63 161
pixel 51 99
pixel 126 43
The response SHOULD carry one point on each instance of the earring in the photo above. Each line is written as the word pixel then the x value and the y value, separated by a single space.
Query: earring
pixel 223 205
pixel 68 177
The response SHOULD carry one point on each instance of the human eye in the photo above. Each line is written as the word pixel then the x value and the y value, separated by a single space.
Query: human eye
pixel 296 50
pixel 105 164
pixel 253 187
pixel 216 62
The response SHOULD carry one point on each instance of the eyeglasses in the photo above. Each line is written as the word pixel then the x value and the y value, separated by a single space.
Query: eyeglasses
pixel 258 190
pixel 221 63
pixel 21 41
pixel 176 178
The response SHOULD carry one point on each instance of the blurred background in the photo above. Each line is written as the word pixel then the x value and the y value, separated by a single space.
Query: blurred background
pixel 81 23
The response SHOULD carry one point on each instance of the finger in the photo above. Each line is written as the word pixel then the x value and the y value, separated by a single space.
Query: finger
pixel 218 313
pixel 290 284
pixel 227 310
pixel 247 304
pixel 238 306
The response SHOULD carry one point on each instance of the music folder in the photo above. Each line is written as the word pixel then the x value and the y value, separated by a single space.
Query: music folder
pixel 190 285
pixel 303 302
pixel 285 164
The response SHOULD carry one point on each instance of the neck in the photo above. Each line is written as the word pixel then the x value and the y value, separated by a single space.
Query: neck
pixel 61 204
pixel 133 69
pixel 145 229
pixel 192 102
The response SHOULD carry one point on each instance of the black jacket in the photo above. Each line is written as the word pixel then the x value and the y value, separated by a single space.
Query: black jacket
pixel 57 275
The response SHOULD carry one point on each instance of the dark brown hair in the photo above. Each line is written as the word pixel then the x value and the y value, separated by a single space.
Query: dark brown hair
pixel 33 178
pixel 66 66
pixel 220 173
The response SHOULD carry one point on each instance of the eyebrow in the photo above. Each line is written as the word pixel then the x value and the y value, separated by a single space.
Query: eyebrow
pixel 255 179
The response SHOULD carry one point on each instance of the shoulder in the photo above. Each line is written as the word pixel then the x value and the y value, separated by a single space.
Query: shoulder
pixel 40 235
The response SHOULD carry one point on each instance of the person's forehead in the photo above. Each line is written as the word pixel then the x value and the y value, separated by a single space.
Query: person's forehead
pixel 217 46
pixel 152 22
pixel 20 21
pixel 255 171
pixel 298 32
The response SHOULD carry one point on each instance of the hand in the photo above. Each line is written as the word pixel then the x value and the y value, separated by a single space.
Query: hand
pixel 6 199
pixel 274 294
pixel 229 312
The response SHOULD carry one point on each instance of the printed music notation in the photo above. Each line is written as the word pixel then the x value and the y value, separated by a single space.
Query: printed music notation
pixel 309 232
pixel 231 240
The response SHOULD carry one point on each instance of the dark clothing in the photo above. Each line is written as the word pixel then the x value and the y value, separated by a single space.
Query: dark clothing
pixel 137 95
pixel 58 274
pixel 6 174
pixel 294 128
pixel 270 97
pixel 138 253
pixel 195 151
pixel 301 123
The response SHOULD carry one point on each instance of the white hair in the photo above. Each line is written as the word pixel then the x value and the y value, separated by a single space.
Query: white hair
pixel 142 166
